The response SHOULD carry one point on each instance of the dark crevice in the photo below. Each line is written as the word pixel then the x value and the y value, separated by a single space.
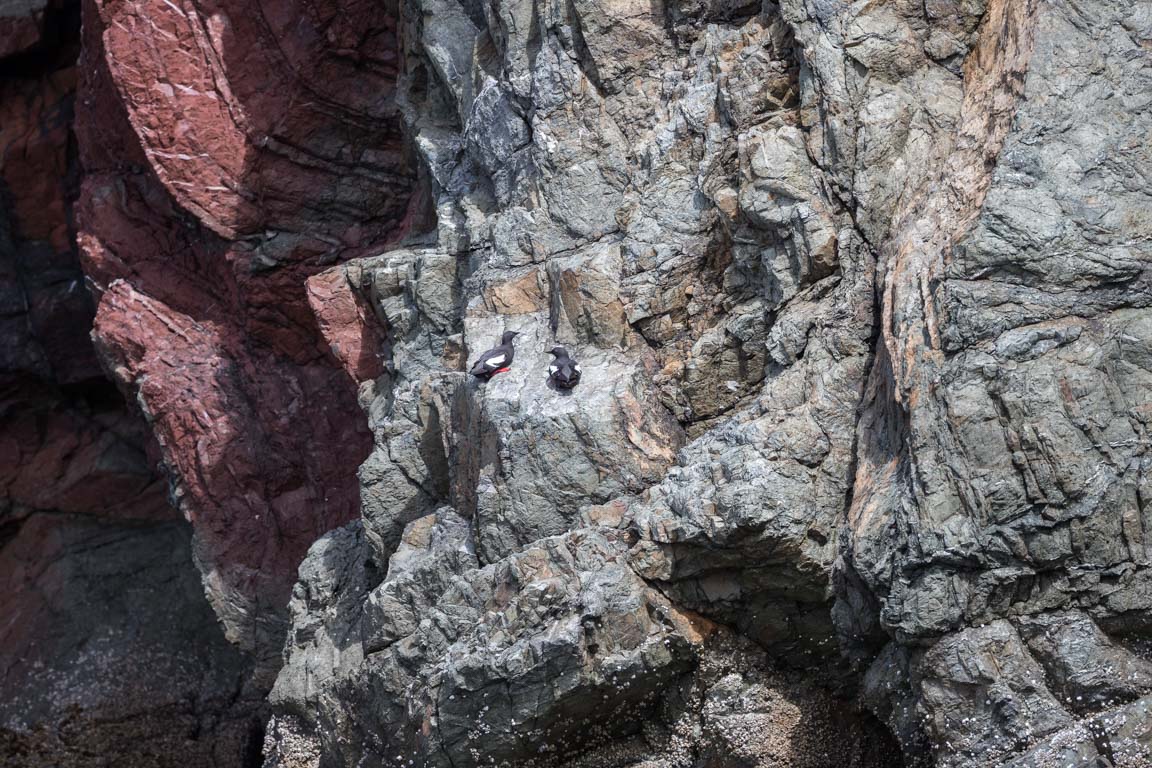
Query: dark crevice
pixel 584 57
pixel 875 339
pixel 59 46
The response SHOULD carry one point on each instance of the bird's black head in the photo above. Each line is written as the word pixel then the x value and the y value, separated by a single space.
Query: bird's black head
pixel 558 352
pixel 508 336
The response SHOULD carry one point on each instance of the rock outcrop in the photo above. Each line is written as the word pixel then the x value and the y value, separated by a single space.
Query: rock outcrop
pixel 109 653
pixel 677 235
pixel 1003 445
pixel 861 295
pixel 557 648
pixel 224 163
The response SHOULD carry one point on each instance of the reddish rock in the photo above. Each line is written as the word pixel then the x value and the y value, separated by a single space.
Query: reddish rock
pixel 45 312
pixel 237 155
pixel 83 455
pixel 265 114
pixel 109 653
pixel 67 443
pixel 206 177
pixel 262 449
pixel 76 451
pixel 346 324
pixel 21 26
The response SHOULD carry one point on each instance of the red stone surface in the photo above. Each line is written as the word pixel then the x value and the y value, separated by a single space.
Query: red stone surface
pixel 108 650
pixel 264 448
pixel 204 160
pixel 82 455
pixel 265 114
pixel 247 147
pixel 21 26
pixel 353 337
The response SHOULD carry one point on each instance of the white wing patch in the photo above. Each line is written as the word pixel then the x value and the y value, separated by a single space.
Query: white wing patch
pixel 577 367
pixel 494 362
pixel 553 368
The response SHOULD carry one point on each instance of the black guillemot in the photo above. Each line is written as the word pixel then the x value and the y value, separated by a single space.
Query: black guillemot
pixel 564 371
pixel 496 360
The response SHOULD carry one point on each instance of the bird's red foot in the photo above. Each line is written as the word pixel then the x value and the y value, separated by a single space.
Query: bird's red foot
pixel 500 370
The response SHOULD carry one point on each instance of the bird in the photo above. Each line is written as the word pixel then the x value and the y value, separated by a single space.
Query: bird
pixel 496 360
pixel 564 372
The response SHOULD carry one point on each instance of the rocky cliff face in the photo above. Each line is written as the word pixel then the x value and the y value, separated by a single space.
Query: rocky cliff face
pixel 235 155
pixel 858 470
pixel 109 653
pixel 859 289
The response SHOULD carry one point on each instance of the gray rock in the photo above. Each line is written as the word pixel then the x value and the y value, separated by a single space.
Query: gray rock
pixel 1000 447
pixel 1083 667
pixel 325 608
pixel 461 664
pixel 981 696
pixel 1119 737
pixel 860 292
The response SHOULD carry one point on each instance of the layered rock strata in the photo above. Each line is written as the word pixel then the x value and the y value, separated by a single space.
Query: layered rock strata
pixel 860 293
pixel 233 156
pixel 859 288
pixel 109 653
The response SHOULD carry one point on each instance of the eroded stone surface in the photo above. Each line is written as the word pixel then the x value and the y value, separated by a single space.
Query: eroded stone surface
pixel 447 662
pixel 663 219
pixel 238 154
pixel 109 653
pixel 845 251
pixel 860 292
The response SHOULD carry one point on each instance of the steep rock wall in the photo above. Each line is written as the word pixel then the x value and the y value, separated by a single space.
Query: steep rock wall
pixel 109 653
pixel 860 293
pixel 873 274
pixel 225 162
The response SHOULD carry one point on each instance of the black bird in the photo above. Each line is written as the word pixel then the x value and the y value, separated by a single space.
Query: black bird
pixel 564 371
pixel 496 360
